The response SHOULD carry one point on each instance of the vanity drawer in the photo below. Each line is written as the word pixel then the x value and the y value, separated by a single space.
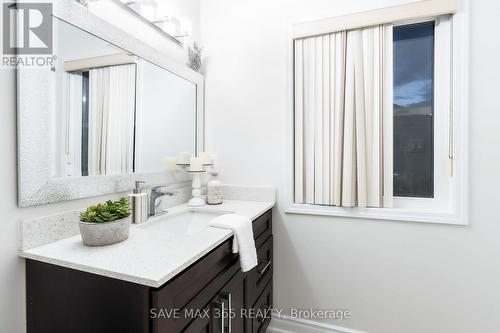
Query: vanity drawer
pixel 194 288
pixel 259 276
pixel 262 310
pixel 262 228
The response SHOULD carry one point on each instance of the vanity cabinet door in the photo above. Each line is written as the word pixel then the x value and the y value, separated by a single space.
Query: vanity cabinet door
pixel 262 310
pixel 225 313
pixel 64 300
pixel 232 297
pixel 259 277
pixel 193 289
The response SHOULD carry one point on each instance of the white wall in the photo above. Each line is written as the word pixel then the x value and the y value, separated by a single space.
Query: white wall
pixel 394 276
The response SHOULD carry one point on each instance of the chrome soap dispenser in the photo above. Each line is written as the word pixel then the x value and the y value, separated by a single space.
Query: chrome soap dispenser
pixel 139 201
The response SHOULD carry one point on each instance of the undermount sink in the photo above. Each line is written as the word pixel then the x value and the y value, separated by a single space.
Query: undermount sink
pixel 186 223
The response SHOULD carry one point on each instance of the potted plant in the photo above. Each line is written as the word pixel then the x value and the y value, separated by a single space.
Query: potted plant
pixel 194 56
pixel 105 224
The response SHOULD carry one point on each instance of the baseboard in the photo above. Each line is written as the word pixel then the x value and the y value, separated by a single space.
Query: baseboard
pixel 286 324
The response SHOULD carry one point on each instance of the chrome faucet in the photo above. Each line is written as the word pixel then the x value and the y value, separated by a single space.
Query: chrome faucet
pixel 155 199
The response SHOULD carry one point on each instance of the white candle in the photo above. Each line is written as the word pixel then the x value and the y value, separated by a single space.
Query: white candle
pixel 170 163
pixel 196 164
pixel 207 157
pixel 183 158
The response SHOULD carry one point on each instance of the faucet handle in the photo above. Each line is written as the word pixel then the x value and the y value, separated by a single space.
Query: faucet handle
pixel 158 194
pixel 157 189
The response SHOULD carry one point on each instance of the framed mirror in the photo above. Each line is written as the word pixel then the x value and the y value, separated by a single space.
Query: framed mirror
pixel 107 112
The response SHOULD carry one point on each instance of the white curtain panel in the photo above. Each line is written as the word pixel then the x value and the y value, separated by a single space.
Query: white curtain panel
pixel 339 108
pixel 111 119
pixel 120 143
pixel 98 108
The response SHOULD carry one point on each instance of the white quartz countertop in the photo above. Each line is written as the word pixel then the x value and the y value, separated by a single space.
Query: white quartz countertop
pixel 149 258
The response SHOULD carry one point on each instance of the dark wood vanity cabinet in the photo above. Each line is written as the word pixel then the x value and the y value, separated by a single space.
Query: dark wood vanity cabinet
pixel 213 295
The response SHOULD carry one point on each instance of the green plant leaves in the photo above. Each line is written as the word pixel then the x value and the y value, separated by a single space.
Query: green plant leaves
pixel 107 212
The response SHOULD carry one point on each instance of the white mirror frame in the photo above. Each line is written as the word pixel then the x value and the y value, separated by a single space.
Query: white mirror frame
pixel 34 107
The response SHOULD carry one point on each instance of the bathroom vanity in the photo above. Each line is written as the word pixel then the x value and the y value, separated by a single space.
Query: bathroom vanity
pixel 72 288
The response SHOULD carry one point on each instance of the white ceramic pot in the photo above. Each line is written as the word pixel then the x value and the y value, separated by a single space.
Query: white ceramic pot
pixel 100 234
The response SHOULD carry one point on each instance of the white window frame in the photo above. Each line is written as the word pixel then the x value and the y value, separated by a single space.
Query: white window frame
pixel 443 81
pixel 449 205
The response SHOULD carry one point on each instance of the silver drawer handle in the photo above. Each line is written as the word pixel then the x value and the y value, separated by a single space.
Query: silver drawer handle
pixel 265 268
pixel 228 296
pixel 221 305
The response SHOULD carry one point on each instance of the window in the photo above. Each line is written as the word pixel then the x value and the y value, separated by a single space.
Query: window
pixel 413 77
pixel 374 117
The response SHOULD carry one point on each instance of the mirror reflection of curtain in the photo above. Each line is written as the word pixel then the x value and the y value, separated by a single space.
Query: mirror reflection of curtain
pixel 73 124
pixel 111 119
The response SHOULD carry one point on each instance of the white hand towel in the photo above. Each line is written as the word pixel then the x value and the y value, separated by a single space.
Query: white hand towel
pixel 243 241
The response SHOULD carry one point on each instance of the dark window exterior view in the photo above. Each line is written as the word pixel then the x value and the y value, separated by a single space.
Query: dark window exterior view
pixel 85 123
pixel 413 110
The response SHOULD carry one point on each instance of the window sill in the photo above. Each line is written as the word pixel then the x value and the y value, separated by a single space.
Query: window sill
pixel 392 214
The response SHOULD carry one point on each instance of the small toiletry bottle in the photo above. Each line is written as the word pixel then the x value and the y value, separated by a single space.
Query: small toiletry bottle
pixel 139 201
pixel 214 190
